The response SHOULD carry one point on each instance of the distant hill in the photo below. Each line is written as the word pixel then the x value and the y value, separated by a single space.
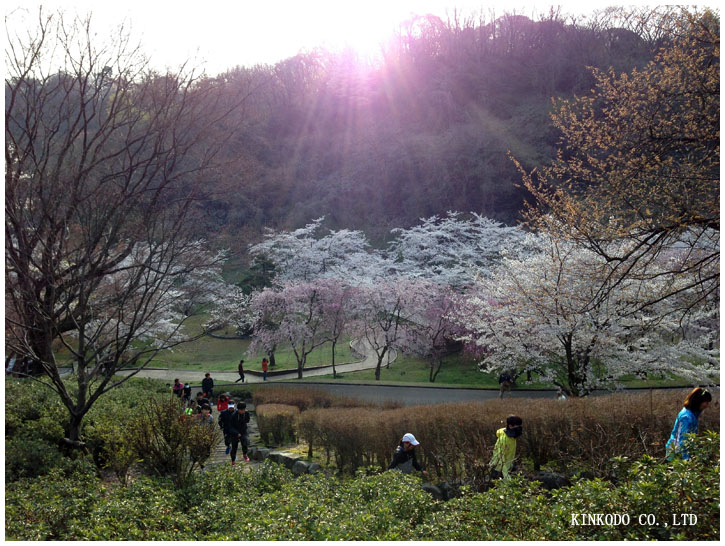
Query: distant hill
pixel 426 130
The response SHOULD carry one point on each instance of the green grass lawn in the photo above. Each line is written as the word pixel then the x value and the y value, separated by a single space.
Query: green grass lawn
pixel 213 354
pixel 462 371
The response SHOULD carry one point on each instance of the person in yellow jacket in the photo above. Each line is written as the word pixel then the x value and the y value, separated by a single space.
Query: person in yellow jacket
pixel 504 451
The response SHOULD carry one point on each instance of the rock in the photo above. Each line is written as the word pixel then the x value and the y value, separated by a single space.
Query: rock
pixel 261 454
pixel 276 458
pixel 314 468
pixel 433 490
pixel 551 480
pixel 449 491
pixel 252 453
pixel 299 468
pixel 283 459
pixel 288 461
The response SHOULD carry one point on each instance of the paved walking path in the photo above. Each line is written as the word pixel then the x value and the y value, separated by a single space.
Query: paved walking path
pixel 368 362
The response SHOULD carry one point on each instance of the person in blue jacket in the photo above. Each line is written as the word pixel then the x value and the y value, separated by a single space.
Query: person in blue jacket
pixel 687 422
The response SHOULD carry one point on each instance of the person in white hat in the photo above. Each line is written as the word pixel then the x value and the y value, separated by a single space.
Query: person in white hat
pixel 404 458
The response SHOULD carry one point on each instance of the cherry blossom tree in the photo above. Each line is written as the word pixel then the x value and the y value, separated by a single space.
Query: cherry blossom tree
pixel 306 254
pixel 231 307
pixel 536 314
pixel 432 331
pixel 383 311
pixel 335 299
pixel 451 249
pixel 290 315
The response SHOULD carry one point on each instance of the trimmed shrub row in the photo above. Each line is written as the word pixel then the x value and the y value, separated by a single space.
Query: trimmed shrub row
pixel 277 423
pixel 307 398
pixel 457 439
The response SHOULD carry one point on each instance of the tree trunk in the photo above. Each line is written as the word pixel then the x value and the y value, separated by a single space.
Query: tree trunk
pixel 434 374
pixel 75 427
pixel 379 364
pixel 271 359
pixel 334 372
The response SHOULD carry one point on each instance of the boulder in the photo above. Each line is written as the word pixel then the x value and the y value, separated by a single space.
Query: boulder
pixel 313 468
pixel 277 458
pixel 288 461
pixel 551 480
pixel 299 468
pixel 449 491
pixel 433 490
pixel 261 454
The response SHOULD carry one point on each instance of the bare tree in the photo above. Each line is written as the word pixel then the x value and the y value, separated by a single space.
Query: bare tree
pixel 103 161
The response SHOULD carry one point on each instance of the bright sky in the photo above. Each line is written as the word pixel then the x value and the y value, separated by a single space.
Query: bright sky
pixel 221 35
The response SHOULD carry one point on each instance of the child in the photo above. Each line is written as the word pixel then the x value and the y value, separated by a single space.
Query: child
pixel 177 388
pixel 187 394
pixel 222 402
pixel 504 451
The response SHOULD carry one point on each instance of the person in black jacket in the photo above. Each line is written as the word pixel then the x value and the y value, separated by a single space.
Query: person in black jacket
pixel 238 431
pixel 207 385
pixel 224 418
pixel 404 458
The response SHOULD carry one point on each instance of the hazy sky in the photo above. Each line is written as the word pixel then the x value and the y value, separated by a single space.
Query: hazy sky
pixel 220 35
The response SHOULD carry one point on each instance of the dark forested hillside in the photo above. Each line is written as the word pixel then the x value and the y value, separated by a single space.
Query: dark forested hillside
pixel 423 130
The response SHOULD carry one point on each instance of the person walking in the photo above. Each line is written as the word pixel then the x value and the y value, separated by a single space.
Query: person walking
pixel 205 417
pixel 201 401
pixel 504 381
pixel 504 451
pixel 238 431
pixel 224 418
pixel 222 402
pixel 686 423
pixel 240 368
pixel 404 458
pixel 265 365
pixel 207 385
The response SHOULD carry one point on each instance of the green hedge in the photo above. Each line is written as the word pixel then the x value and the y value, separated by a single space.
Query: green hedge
pixel 269 503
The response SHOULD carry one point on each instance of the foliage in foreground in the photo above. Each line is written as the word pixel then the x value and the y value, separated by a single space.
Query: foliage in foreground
pixel 270 503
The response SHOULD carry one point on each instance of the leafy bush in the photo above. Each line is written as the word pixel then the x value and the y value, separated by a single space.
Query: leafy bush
pixel 277 423
pixel 519 510
pixel 269 503
pixel 168 442
pixel 47 507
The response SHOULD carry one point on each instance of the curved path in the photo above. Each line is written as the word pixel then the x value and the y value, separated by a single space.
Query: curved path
pixel 368 362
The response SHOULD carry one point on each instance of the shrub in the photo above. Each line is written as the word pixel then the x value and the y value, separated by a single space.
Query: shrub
pixel 519 510
pixel 304 398
pixel 457 439
pixel 277 423
pixel 45 508
pixel 269 503
pixel 148 509
pixel 169 442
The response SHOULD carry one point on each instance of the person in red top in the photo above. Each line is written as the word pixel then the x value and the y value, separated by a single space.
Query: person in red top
pixel 264 369
pixel 222 402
